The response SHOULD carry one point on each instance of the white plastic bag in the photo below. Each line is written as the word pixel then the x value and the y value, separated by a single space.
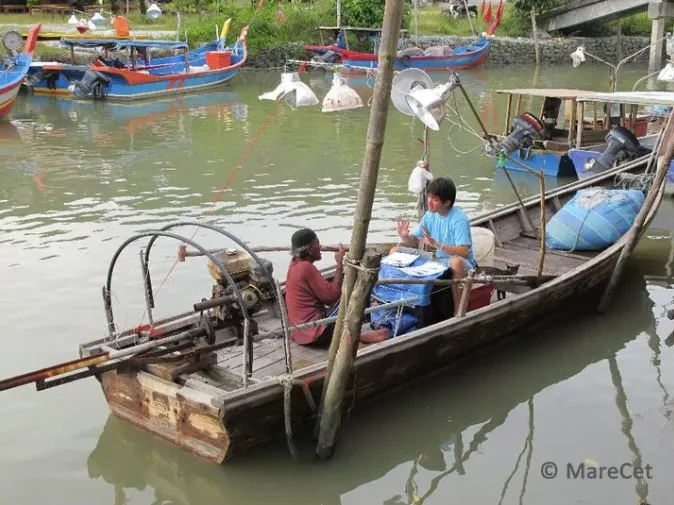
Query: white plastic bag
pixel 418 178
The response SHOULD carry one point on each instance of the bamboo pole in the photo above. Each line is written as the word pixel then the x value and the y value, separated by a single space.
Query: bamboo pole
pixel 664 158
pixel 535 34
pixel 348 341
pixel 376 130
pixel 541 252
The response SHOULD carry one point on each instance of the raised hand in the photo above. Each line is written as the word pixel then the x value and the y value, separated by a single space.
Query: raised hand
pixel 339 255
pixel 403 228
pixel 428 240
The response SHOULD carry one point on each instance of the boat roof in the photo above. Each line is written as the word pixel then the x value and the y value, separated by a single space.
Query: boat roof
pixel 354 29
pixel 545 92
pixel 631 97
pixel 121 44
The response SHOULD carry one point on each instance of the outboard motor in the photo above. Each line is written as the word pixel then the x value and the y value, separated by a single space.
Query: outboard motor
pixel 327 57
pixel 620 143
pixel 91 84
pixel 526 129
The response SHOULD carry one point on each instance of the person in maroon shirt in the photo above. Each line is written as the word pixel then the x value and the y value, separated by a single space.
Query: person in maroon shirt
pixel 309 296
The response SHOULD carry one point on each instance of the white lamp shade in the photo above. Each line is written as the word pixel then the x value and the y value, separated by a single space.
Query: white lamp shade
pixel 340 96
pixel 429 104
pixel 73 21
pixel 91 25
pixel 97 18
pixel 578 56
pixel 153 11
pixel 667 73
pixel 292 90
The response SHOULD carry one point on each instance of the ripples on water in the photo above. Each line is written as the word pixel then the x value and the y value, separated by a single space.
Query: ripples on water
pixel 79 178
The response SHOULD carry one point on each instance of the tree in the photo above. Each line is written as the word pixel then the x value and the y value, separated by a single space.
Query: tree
pixel 533 7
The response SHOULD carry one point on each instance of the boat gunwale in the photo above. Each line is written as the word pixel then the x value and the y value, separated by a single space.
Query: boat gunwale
pixel 453 325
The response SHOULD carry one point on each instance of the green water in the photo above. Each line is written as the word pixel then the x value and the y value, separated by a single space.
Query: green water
pixel 77 179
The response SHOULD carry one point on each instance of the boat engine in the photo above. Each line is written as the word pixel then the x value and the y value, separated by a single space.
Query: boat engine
pixel 621 145
pixel 256 290
pixel 327 57
pixel 91 84
pixel 525 129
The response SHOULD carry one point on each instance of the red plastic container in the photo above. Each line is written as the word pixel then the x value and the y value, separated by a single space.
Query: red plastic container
pixel 480 296
pixel 218 59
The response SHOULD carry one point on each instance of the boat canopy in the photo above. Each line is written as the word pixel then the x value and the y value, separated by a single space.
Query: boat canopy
pixel 121 44
pixel 564 94
pixel 630 97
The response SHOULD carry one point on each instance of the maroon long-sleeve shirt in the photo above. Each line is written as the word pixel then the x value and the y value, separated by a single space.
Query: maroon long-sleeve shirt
pixel 307 294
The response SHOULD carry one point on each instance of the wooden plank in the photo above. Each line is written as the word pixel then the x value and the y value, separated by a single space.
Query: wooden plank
pixel 169 371
pixel 528 260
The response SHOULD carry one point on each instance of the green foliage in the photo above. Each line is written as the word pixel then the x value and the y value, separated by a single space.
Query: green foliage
pixel 539 5
pixel 514 24
pixel 33 3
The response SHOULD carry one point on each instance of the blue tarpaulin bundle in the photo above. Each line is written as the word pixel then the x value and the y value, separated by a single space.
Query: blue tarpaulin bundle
pixel 594 219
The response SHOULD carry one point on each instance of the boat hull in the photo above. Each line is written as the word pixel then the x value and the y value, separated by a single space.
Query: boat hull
pixel 464 57
pixel 219 424
pixel 553 164
pixel 579 157
pixel 12 76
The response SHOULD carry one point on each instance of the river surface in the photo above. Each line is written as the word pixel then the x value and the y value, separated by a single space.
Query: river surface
pixel 77 179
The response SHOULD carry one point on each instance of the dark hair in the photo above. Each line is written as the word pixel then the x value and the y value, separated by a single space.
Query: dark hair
pixel 442 188
pixel 300 242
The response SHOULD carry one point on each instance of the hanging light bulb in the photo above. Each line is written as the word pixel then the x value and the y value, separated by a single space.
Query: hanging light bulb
pixel 153 11
pixel 340 96
pixel 667 73
pixel 292 90
pixel 578 56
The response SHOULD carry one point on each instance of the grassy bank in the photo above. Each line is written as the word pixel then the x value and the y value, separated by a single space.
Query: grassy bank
pixel 299 21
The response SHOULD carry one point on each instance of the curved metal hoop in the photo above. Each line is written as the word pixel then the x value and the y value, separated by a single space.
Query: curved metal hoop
pixel 155 235
pixel 233 238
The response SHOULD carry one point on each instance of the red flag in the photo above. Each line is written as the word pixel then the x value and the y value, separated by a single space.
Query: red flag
pixel 488 16
pixel 499 11
pixel 482 7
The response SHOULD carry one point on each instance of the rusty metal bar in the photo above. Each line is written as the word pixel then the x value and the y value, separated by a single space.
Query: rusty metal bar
pixel 214 302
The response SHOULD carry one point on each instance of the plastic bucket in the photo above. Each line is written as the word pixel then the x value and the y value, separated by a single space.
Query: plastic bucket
pixel 218 59
pixel 483 246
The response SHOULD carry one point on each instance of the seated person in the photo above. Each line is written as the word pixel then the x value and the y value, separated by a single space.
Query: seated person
pixel 308 293
pixel 445 228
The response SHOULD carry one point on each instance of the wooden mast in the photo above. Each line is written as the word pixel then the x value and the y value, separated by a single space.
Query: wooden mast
pixel 368 182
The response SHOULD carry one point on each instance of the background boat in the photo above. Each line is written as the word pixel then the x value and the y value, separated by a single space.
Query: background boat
pixel 14 70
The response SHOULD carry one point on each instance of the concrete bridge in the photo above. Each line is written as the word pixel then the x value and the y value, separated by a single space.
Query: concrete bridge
pixel 576 12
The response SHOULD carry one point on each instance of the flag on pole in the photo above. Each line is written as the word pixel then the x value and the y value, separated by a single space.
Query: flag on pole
pixel 488 18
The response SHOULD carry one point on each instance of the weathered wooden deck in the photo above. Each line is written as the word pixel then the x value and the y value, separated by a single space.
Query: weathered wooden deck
pixel 269 355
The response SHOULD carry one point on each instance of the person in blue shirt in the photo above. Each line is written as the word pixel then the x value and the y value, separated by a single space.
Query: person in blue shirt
pixel 445 228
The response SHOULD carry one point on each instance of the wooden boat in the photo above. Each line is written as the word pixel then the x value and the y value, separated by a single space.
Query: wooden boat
pixel 550 152
pixel 201 399
pixel 468 56
pixel 14 70
pixel 54 78
pixel 651 109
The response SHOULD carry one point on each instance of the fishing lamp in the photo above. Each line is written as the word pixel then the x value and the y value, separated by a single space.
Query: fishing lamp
pixel 72 20
pixel 292 90
pixel 153 11
pixel 525 129
pixel 340 96
pixel 412 93
pixel 578 56
pixel 97 18
pixel 667 73
pixel 618 140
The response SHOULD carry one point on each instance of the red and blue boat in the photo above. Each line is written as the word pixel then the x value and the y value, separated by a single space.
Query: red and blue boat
pixel 461 57
pixel 207 66
pixel 15 68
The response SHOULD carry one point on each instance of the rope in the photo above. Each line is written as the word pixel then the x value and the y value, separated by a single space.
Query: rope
pixel 356 265
pixel 239 164
pixel 287 381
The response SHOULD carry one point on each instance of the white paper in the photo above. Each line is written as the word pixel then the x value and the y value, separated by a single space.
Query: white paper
pixel 428 268
pixel 400 259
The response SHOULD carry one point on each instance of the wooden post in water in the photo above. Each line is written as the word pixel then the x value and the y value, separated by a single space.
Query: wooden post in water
pixel 376 130
pixel 348 345
pixel 664 158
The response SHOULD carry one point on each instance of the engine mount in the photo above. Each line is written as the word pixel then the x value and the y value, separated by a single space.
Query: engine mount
pixel 525 129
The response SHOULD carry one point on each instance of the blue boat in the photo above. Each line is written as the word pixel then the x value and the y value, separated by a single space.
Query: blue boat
pixel 53 78
pixel 14 69
pixel 648 111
